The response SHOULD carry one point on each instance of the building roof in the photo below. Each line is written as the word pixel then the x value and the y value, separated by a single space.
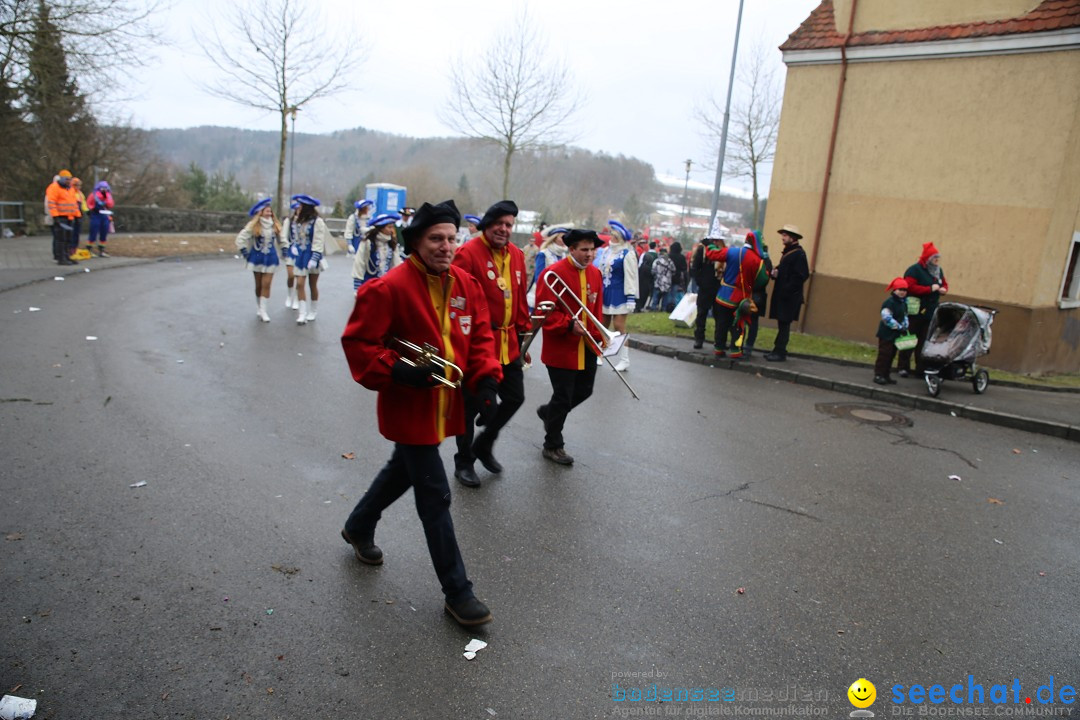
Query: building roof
pixel 819 30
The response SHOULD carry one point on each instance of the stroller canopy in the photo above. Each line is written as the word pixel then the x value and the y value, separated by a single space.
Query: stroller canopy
pixel 958 333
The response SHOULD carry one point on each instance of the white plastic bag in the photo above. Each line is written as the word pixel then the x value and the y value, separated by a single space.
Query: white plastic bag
pixel 685 313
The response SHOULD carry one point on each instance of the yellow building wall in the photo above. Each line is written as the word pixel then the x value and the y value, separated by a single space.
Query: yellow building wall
pixel 980 155
pixel 913 14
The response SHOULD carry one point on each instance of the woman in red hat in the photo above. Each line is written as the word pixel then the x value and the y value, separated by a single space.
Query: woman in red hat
pixel 927 283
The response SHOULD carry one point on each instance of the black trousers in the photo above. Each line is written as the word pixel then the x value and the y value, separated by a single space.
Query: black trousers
pixel 783 334
pixel 421 468
pixel 569 388
pixel 60 239
pixel 706 302
pixel 511 397
pixel 886 351
pixel 725 318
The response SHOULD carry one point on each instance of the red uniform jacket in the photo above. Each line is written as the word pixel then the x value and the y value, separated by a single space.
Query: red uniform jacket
pixel 562 348
pixel 738 281
pixel 509 309
pixel 411 304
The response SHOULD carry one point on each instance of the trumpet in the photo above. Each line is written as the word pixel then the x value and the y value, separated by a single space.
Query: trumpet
pixel 537 319
pixel 581 315
pixel 425 355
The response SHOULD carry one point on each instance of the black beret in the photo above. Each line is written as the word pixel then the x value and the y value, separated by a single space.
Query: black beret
pixel 496 211
pixel 425 217
pixel 575 236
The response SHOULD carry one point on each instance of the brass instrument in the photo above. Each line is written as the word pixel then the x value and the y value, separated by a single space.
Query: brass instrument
pixel 583 317
pixel 425 355
pixel 537 319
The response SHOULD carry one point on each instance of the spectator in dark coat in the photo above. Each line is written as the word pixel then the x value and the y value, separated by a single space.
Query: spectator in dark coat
pixel 703 271
pixel 645 278
pixel 790 275
pixel 679 278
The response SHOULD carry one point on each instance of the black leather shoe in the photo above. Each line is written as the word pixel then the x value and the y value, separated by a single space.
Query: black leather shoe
pixel 698 345
pixel 467 477
pixel 558 456
pixel 880 380
pixel 482 451
pixel 366 552
pixel 469 613
pixel 904 373
pixel 775 357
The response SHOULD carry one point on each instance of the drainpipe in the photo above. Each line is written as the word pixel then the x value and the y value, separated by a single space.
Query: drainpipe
pixel 829 161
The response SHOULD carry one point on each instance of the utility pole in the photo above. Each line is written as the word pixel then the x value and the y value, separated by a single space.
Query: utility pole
pixel 727 116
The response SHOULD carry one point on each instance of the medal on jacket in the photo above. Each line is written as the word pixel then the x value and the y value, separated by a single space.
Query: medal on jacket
pixel 491 274
pixel 501 282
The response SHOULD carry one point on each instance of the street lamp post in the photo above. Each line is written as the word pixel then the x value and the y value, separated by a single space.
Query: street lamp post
pixel 292 148
pixel 686 192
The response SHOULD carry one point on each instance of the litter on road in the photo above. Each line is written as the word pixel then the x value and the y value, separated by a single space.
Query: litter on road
pixel 472 648
pixel 141 483
pixel 955 477
pixel 34 309
pixel 91 337
pixel 17 708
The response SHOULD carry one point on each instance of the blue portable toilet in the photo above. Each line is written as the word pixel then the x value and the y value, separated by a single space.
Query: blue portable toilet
pixel 386 196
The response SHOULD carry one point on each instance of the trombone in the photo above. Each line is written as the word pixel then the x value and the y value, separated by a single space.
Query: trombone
pixel 581 315
pixel 427 355
pixel 537 319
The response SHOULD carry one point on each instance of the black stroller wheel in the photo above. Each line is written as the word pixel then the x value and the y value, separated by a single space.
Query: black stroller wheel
pixel 933 384
pixel 980 382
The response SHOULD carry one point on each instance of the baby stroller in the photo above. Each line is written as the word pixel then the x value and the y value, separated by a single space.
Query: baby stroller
pixel 958 335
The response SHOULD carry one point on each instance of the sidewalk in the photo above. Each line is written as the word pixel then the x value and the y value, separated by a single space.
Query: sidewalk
pixel 26 260
pixel 1035 410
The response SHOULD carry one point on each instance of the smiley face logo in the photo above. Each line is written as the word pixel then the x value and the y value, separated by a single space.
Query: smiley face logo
pixel 862 693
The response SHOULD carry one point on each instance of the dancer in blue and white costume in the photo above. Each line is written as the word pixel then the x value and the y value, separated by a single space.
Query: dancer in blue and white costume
pixel 258 243
pixel 357 225
pixel 378 251
pixel 307 242
pixel 286 255
pixel 618 263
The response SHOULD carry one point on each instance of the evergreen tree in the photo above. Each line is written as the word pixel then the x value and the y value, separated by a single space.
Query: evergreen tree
pixel 57 112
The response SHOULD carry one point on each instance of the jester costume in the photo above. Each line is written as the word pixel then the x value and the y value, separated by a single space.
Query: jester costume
pixel 744 272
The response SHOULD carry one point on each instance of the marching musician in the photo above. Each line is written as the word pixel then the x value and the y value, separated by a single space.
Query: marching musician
pixel 422 301
pixel 618 265
pixel 570 360
pixel 499 266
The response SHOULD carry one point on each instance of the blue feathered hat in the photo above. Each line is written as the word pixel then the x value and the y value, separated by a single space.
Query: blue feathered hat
pixel 474 219
pixel 384 219
pixel 259 206
pixel 306 200
pixel 361 204
pixel 621 229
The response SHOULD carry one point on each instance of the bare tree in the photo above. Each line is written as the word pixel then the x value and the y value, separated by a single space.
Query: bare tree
pixel 755 119
pixel 517 96
pixel 276 56
pixel 99 37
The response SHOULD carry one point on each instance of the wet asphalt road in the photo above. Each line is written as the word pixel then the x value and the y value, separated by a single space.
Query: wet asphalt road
pixel 222 588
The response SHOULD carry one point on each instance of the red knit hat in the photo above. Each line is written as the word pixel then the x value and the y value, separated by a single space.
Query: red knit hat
pixel 928 251
pixel 898 284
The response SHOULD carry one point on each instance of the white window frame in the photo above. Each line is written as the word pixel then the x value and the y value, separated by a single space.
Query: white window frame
pixel 1069 297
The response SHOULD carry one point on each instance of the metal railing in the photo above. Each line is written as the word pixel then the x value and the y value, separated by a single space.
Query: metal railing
pixel 12 216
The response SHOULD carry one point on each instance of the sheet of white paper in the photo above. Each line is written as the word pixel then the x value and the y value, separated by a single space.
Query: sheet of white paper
pixel 615 345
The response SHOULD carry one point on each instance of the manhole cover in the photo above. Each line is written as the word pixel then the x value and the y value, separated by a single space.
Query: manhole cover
pixel 871 415
pixel 866 414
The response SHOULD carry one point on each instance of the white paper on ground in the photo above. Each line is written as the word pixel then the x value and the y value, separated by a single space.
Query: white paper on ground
pixel 17 708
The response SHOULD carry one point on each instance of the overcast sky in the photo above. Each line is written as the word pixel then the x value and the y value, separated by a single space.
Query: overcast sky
pixel 642 68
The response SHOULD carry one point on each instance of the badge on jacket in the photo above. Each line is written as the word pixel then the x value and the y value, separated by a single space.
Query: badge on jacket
pixel 457 302
pixel 466 324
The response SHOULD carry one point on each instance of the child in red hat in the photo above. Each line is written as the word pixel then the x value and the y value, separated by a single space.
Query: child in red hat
pixel 894 323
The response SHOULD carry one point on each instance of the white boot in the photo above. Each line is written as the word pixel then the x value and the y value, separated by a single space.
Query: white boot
pixel 263 315
pixel 290 299
pixel 312 308
pixel 301 315
pixel 624 358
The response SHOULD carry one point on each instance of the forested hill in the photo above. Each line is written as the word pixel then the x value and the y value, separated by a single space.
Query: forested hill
pixel 564 183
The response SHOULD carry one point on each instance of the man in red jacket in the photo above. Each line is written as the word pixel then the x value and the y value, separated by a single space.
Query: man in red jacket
pixel 570 359
pixel 424 301
pixel 499 266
